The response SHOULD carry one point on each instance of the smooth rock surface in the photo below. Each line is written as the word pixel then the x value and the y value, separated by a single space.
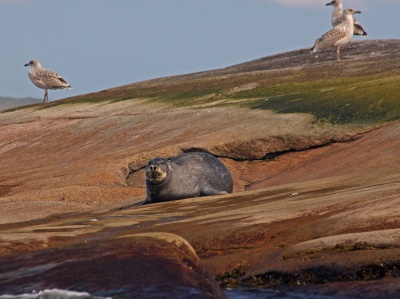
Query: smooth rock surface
pixel 152 265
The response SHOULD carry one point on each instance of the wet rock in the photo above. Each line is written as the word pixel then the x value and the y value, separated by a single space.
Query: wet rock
pixel 153 265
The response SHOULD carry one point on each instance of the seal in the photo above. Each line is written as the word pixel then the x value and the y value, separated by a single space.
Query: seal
pixel 184 176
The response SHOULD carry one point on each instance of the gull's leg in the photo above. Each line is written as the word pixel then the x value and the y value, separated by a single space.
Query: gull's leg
pixel 46 97
pixel 338 55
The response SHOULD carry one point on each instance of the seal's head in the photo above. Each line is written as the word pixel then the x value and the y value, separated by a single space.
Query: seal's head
pixel 156 170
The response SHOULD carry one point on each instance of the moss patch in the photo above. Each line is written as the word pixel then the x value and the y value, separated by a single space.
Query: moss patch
pixel 229 278
pixel 362 100
pixel 324 274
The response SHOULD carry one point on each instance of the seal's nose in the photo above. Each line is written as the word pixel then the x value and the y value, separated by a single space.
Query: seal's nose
pixel 153 167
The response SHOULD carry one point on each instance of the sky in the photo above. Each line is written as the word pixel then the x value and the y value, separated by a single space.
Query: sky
pixel 100 44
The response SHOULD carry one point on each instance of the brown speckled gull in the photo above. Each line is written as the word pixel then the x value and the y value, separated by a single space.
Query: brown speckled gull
pixel 45 79
pixel 338 36
pixel 337 18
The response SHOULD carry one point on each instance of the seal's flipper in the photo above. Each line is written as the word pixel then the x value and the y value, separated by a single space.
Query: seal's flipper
pixel 206 191
pixel 140 203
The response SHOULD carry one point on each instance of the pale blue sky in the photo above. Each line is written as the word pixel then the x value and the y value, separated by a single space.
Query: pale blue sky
pixel 99 44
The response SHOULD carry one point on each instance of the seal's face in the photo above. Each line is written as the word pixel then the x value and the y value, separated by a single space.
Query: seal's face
pixel 156 170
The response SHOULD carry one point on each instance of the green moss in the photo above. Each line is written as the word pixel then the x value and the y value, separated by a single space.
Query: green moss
pixel 229 278
pixel 322 274
pixel 355 99
pixel 347 100
pixel 358 100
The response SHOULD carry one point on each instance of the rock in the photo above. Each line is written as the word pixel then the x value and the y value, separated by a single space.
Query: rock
pixel 328 132
pixel 151 265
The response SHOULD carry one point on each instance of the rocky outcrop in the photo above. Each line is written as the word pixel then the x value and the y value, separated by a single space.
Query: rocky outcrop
pixel 152 265
pixel 313 147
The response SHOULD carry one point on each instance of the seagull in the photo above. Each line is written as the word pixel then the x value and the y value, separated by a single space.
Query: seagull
pixel 45 79
pixel 338 36
pixel 338 17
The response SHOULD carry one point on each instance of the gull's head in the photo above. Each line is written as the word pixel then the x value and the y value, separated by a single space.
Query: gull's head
pixel 334 3
pixel 350 11
pixel 33 63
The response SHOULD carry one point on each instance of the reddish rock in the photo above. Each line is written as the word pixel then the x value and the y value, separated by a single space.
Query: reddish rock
pixel 155 265
pixel 313 192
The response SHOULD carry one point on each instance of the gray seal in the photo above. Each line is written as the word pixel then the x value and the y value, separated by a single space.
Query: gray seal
pixel 187 175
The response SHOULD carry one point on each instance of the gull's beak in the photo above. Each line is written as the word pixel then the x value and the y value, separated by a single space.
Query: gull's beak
pixel 330 3
pixel 26 64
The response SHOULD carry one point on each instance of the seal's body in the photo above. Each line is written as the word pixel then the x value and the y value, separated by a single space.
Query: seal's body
pixel 184 176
